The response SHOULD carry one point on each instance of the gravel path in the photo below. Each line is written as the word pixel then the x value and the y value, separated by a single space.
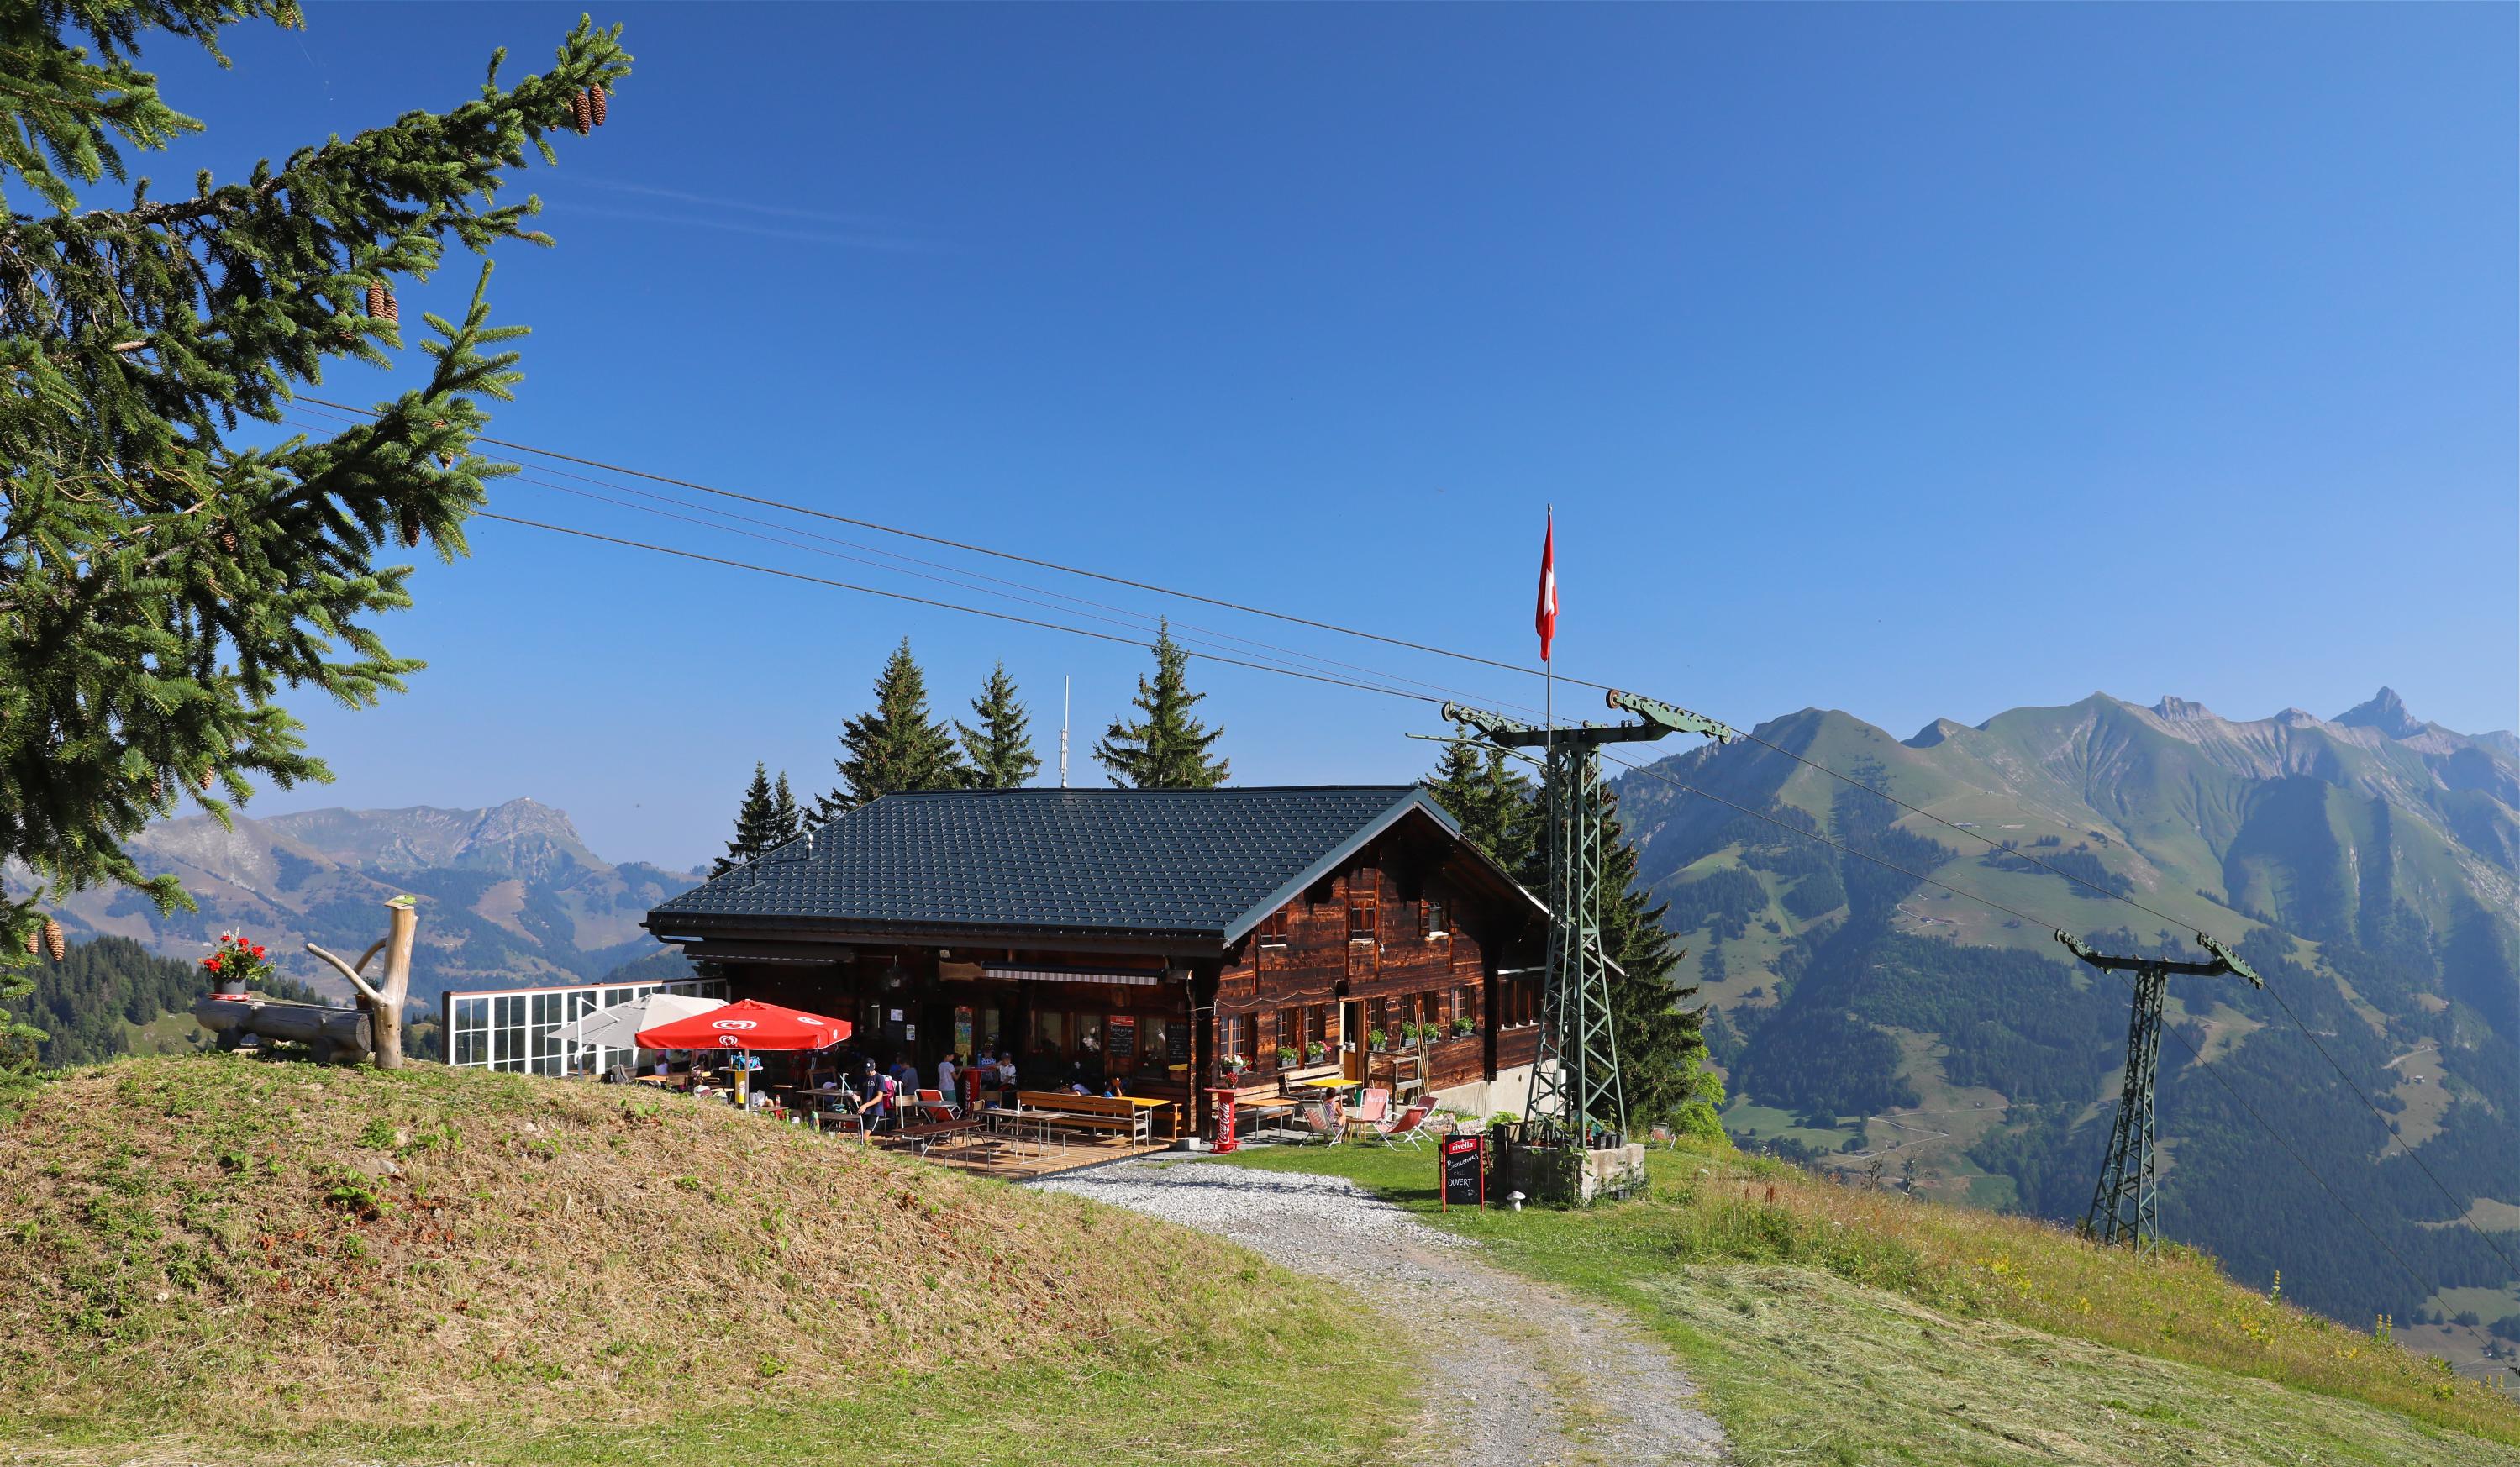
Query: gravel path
pixel 1517 1373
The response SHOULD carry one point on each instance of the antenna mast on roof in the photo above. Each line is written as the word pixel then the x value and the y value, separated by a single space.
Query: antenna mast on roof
pixel 1063 684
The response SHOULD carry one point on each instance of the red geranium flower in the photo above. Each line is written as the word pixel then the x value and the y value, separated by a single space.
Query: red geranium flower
pixel 211 963
pixel 257 950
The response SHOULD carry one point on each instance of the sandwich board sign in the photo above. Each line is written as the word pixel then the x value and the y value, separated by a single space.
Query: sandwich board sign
pixel 1465 1173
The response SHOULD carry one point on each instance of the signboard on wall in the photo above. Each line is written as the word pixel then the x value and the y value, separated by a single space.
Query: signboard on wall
pixel 1121 1032
pixel 1177 1043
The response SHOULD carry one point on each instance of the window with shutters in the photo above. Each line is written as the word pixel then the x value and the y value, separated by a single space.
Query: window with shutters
pixel 1364 909
pixel 1273 930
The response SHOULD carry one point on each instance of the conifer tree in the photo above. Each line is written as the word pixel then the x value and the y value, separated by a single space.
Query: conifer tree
pixel 1000 750
pixel 1167 748
pixel 1495 806
pixel 895 749
pixel 159 586
pixel 753 823
pixel 786 820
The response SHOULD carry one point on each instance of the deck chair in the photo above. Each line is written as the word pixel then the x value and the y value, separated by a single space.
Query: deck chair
pixel 933 1106
pixel 1319 1120
pixel 1375 1107
pixel 1410 1127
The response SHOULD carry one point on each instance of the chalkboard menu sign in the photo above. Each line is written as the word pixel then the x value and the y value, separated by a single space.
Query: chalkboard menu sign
pixel 1177 1044
pixel 1465 1175
pixel 1120 1033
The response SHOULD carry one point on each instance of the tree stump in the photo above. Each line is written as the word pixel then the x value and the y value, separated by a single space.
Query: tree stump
pixel 382 1002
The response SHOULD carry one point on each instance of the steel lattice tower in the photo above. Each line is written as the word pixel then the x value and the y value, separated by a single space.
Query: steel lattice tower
pixel 2126 1205
pixel 1576 1077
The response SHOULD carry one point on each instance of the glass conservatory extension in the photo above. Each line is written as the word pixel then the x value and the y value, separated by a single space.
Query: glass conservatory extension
pixel 511 1028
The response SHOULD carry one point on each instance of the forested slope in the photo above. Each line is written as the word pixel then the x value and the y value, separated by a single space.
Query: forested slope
pixel 2366 865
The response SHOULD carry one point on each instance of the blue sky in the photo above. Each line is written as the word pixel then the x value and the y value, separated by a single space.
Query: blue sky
pixel 1912 361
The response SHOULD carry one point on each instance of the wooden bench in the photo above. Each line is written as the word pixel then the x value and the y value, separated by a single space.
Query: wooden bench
pixel 1119 1114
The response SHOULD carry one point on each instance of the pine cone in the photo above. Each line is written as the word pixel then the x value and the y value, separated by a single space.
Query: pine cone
pixel 411 528
pixel 377 299
pixel 595 98
pixel 34 941
pixel 206 777
pixel 394 307
pixel 228 541
pixel 54 942
pixel 581 114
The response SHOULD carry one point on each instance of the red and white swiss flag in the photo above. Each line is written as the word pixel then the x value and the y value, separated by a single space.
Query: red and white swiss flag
pixel 1543 620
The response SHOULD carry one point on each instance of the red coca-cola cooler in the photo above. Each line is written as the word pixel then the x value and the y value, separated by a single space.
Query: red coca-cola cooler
pixel 1224 1140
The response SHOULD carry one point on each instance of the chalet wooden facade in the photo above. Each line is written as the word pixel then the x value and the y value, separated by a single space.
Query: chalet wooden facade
pixel 1178 940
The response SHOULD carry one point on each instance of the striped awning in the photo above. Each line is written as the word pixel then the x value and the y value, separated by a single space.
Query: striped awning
pixel 1138 979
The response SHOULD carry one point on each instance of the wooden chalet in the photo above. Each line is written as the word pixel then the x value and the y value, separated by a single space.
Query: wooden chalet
pixel 1154 935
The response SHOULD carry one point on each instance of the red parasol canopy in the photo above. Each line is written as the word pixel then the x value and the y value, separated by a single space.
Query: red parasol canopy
pixel 749 1025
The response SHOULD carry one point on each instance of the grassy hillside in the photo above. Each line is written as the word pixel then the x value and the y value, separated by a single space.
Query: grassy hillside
pixel 259 1260
pixel 1830 1324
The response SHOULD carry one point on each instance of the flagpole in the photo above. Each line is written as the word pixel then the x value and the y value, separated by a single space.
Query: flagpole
pixel 1549 783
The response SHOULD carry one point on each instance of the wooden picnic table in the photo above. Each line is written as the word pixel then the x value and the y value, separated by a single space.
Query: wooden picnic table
pixel 1014 1116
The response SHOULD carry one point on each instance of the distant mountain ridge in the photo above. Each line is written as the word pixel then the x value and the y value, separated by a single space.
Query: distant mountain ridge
pixel 510 895
pixel 2368 863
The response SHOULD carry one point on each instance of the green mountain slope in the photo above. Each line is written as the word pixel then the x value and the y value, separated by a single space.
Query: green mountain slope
pixel 510 895
pixel 2368 865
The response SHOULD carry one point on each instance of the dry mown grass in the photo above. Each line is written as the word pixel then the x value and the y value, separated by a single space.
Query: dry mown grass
pixel 2175 1303
pixel 308 1245
pixel 1720 1217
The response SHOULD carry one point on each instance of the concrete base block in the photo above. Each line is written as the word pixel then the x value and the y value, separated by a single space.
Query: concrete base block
pixel 1558 1178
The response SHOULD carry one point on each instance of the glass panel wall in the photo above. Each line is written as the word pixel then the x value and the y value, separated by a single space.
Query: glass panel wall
pixel 512 1030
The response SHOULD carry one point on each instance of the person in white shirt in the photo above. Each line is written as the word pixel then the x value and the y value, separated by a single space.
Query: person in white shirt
pixel 946 1076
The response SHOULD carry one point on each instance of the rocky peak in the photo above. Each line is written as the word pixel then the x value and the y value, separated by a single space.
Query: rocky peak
pixel 2175 709
pixel 522 816
pixel 2384 712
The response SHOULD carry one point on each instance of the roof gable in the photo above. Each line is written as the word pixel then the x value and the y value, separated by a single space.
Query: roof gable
pixel 1209 862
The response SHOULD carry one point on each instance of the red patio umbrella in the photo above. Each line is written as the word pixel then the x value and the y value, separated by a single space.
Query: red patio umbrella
pixel 749 1025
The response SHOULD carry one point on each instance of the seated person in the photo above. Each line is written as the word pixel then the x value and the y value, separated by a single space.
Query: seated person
pixel 1112 1089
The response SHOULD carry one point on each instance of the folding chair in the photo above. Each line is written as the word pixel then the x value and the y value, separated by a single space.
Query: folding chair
pixel 1410 1127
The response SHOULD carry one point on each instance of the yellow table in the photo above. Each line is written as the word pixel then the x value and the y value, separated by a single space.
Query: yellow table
pixel 1326 1083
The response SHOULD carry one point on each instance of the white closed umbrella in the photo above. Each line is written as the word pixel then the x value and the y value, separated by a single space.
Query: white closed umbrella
pixel 617 1027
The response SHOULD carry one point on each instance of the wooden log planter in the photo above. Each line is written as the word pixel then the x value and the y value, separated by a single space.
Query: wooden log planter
pixel 338 1036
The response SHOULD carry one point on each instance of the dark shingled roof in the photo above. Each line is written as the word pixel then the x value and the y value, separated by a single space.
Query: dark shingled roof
pixel 1206 861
